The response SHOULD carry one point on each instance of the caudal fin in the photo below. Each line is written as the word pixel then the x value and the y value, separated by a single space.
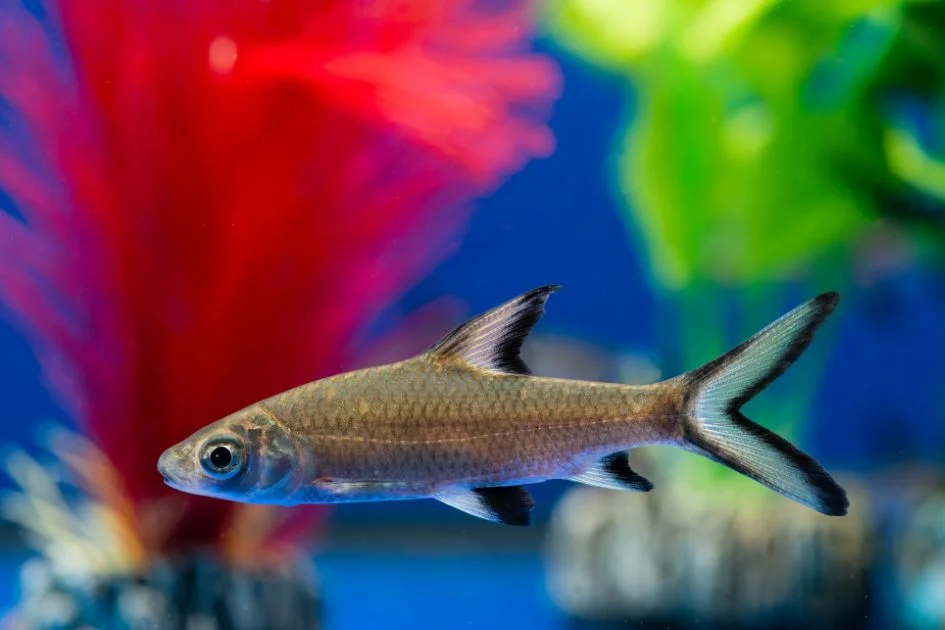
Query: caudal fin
pixel 716 428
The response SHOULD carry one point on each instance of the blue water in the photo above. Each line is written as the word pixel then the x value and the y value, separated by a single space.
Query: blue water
pixel 9 579
pixel 408 590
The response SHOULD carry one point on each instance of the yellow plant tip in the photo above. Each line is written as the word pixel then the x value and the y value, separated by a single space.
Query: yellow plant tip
pixel 35 481
pixel 99 537
pixel 16 461
pixel 52 519
pixel 909 161
pixel 58 437
pixel 718 26
pixel 612 33
pixel 16 509
pixel 748 132
pixel 91 469
pixel 118 539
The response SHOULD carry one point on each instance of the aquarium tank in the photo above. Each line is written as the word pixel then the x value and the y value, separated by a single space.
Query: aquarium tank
pixel 239 240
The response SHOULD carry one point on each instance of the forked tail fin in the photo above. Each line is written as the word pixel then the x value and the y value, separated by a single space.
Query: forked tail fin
pixel 715 427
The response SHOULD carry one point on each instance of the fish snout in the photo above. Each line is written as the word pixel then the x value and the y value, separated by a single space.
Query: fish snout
pixel 163 464
pixel 170 465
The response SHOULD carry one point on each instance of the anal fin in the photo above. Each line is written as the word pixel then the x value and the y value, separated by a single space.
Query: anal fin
pixel 509 505
pixel 614 473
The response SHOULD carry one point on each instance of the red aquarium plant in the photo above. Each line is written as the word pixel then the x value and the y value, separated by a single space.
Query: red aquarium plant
pixel 210 199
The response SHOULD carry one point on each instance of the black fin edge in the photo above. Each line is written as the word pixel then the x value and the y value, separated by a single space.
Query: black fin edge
pixel 824 304
pixel 618 466
pixel 507 350
pixel 511 505
pixel 832 498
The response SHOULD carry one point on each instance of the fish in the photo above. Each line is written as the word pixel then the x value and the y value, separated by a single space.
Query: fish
pixel 468 424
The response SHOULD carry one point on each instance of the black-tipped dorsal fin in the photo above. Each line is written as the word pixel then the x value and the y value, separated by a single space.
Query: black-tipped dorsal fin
pixel 492 341
pixel 509 505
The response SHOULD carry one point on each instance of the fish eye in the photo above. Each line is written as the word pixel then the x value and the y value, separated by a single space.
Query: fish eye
pixel 222 458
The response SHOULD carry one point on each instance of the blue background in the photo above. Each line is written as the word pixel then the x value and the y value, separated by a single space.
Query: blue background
pixel 560 221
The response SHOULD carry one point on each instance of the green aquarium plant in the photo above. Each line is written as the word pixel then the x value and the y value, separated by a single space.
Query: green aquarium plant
pixel 770 143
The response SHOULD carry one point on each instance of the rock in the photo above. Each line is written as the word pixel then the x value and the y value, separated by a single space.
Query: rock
pixel 193 592
pixel 918 558
pixel 691 559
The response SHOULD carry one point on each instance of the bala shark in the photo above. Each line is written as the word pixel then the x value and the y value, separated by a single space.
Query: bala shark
pixel 467 424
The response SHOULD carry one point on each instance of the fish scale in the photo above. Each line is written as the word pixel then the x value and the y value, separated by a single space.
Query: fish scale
pixel 449 424
pixel 467 424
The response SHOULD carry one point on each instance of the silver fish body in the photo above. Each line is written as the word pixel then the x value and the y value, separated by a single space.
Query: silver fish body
pixel 418 428
pixel 467 424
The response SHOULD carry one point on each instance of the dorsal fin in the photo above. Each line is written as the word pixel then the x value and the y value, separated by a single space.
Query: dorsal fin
pixel 492 341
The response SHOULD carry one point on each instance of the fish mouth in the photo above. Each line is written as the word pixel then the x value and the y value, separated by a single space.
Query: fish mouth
pixel 170 483
pixel 164 465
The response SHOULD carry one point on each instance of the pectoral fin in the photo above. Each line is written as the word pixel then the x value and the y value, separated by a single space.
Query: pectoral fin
pixel 614 473
pixel 510 505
